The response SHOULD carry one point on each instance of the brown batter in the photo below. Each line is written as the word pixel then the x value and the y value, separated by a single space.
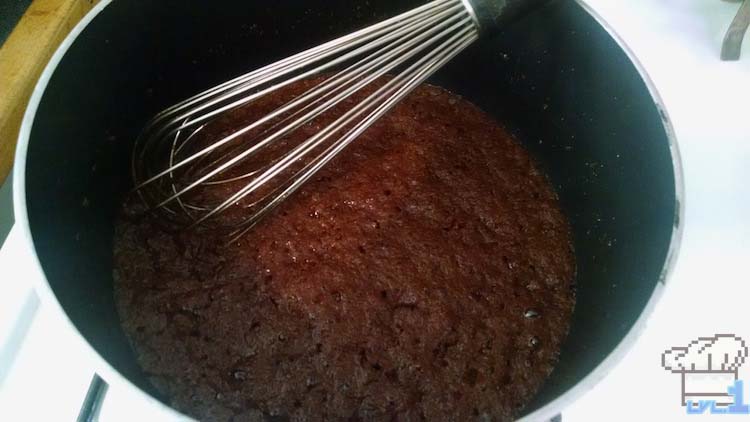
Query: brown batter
pixel 425 273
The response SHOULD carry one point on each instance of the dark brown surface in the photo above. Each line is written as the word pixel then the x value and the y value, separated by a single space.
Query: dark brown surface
pixel 426 273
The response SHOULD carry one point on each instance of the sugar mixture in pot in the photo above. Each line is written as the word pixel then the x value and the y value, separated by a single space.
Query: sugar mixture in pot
pixel 426 273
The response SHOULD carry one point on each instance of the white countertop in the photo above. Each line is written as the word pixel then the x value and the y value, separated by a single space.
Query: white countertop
pixel 678 44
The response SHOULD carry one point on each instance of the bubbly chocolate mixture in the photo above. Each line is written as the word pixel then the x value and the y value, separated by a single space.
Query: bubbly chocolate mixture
pixel 426 273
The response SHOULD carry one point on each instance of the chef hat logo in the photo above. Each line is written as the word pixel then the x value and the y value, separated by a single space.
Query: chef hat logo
pixel 720 353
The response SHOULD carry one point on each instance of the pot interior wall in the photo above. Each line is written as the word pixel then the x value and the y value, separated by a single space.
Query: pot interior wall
pixel 557 79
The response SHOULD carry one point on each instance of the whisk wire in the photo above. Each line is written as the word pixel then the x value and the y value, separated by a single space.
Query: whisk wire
pixel 345 140
pixel 282 68
pixel 366 33
pixel 321 109
pixel 341 122
pixel 239 133
pixel 419 41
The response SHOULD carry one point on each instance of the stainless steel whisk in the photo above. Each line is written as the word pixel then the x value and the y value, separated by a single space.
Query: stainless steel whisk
pixel 168 164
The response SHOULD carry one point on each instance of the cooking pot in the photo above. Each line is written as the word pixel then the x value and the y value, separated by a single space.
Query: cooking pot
pixel 558 79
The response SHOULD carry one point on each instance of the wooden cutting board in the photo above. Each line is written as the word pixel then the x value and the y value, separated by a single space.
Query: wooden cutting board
pixel 22 59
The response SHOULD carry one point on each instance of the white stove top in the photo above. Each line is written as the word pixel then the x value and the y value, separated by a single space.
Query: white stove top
pixel 678 44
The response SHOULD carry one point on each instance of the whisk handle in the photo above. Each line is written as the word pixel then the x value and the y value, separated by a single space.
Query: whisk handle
pixel 492 15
